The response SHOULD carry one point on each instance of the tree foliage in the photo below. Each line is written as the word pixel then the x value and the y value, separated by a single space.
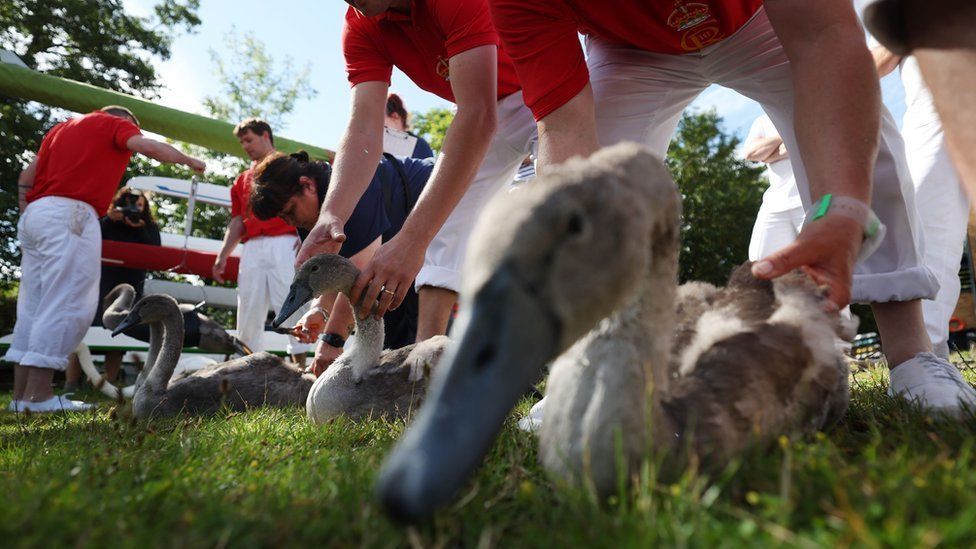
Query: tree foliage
pixel 254 84
pixel 720 193
pixel 432 126
pixel 95 41
pixel 92 41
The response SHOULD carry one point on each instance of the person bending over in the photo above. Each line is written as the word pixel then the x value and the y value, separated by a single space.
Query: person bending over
pixel 448 47
pixel 293 188
pixel 646 61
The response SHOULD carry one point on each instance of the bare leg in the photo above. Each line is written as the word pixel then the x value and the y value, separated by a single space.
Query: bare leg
pixel 39 381
pixel 72 376
pixel 21 374
pixel 902 330
pixel 113 364
pixel 435 306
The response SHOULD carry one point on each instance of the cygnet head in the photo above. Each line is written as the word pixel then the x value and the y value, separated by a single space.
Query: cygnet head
pixel 321 274
pixel 544 265
pixel 152 308
pixel 570 248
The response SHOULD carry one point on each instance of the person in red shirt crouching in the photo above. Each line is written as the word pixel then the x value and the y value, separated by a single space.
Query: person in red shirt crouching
pixel 268 259
pixel 73 176
pixel 449 48
pixel 806 63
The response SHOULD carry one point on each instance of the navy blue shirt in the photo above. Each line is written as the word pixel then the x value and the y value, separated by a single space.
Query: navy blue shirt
pixel 401 194
pixel 385 203
pixel 367 222
pixel 381 212
pixel 421 148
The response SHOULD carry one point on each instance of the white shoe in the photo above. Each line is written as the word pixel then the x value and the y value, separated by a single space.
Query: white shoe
pixel 533 422
pixel 934 383
pixel 15 406
pixel 54 404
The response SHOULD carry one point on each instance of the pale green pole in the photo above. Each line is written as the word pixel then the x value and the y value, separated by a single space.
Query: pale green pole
pixel 23 83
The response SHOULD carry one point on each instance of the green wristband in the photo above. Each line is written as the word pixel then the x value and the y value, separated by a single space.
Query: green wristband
pixel 873 230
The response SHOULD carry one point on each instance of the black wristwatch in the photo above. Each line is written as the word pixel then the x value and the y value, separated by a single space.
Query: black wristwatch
pixel 333 340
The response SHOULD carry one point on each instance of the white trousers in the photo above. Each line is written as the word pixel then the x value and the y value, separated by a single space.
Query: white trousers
pixel 266 271
pixel 640 97
pixel 514 140
pixel 61 244
pixel 943 210
pixel 774 230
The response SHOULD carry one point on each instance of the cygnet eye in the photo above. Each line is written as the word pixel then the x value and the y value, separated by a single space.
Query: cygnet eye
pixel 576 224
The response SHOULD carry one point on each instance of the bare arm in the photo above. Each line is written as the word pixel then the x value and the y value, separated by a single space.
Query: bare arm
pixel 232 237
pixel 474 82
pixel 568 131
pixel 25 182
pixel 838 104
pixel 163 152
pixel 396 264
pixel 764 149
pixel 884 60
pixel 355 164
pixel 837 122
pixel 359 151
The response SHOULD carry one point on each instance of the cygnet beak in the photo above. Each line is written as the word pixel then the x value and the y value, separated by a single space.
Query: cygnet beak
pixel 132 319
pixel 299 294
pixel 505 335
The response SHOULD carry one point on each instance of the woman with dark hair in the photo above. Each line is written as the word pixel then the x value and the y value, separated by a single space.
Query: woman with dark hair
pixel 293 188
pixel 397 137
pixel 129 219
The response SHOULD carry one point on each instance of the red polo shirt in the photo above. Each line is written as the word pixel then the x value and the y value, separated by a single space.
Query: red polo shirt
pixel 421 43
pixel 541 37
pixel 84 158
pixel 240 194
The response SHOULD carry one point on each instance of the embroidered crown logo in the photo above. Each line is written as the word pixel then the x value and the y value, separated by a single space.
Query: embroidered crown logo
pixel 686 16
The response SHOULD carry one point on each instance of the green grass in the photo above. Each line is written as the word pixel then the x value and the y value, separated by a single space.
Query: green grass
pixel 887 475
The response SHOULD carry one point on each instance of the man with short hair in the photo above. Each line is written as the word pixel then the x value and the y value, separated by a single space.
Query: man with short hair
pixel 292 188
pixel 62 193
pixel 267 261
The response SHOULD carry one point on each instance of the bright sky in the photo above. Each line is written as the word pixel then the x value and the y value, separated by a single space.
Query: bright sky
pixel 309 31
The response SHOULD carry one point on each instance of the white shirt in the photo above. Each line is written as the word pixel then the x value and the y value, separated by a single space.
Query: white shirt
pixel 782 193
pixel 919 107
pixel 398 143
